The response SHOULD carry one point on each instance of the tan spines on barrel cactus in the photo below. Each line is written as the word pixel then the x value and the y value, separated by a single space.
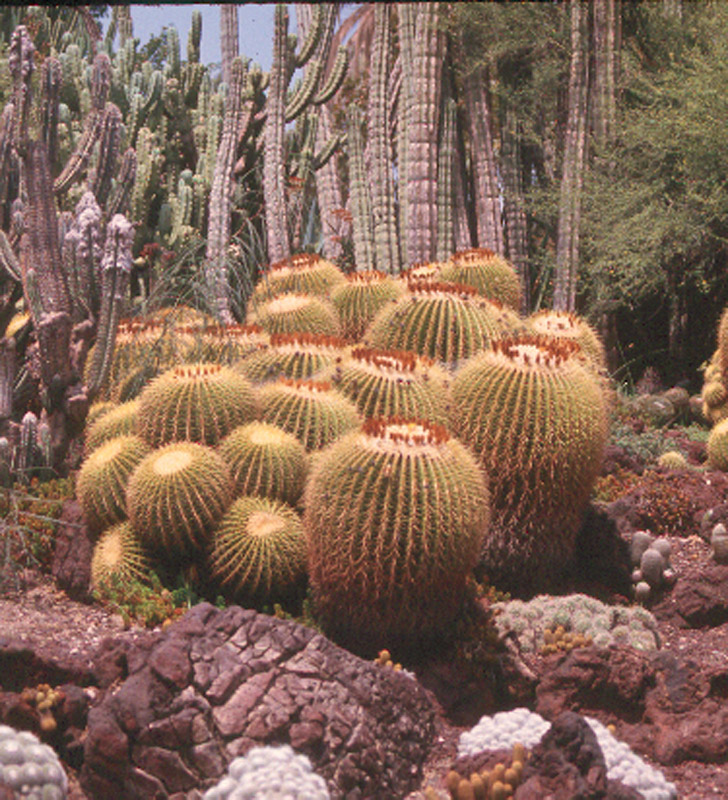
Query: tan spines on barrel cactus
pixel 717 446
pixel 97 410
pixel 359 300
pixel 224 344
pixel 102 479
pixel 536 417
pixel 175 497
pixel 393 383
pixel 297 313
pixel 292 355
pixel 445 321
pixel 313 411
pixel 258 550
pixel 566 325
pixel 265 460
pixel 395 518
pixel 118 557
pixel 195 402
pixel 422 272
pixel 122 420
pixel 304 273
pixel 489 273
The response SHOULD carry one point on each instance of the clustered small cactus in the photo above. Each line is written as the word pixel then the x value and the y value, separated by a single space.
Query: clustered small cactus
pixel 32 769
pixel 650 558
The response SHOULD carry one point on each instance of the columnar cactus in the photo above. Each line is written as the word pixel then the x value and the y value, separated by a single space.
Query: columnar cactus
pixel 536 418
pixel 395 517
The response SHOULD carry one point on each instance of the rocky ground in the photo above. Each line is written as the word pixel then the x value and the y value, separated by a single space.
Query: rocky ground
pixel 361 725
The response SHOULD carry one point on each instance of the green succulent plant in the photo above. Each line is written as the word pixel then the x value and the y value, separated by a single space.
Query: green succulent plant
pixel 297 313
pixel 30 768
pixel 195 402
pixel 176 496
pixel 122 420
pixel 303 273
pixel 359 299
pixel 265 460
pixel 566 325
pixel 313 411
pixel 717 446
pixel 490 274
pixel 395 518
pixel 118 555
pixel 536 417
pixel 258 550
pixel 102 479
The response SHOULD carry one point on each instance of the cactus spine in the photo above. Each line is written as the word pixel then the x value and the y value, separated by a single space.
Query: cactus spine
pixel 359 300
pixel 491 275
pixel 297 313
pixel 293 355
pixel 118 556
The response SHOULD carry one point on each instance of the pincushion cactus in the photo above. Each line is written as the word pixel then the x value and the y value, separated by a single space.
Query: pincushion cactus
pixel 313 411
pixel 265 460
pixel 258 550
pixel 536 418
pixel 176 495
pixel 30 768
pixel 395 517
pixel 195 402
pixel 393 383
pixel 270 773
pixel 359 300
pixel 297 313
pixel 102 479
pixel 490 274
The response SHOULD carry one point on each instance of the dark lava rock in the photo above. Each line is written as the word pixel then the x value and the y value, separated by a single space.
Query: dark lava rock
pixel 698 600
pixel 71 566
pixel 217 683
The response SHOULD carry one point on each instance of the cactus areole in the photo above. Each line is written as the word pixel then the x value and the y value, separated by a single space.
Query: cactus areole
pixel 395 518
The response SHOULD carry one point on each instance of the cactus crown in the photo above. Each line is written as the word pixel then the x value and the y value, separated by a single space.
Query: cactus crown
pixel 303 339
pixel 108 451
pixel 472 255
pixel 556 322
pixel 288 302
pixel 424 286
pixel 418 272
pixel 397 360
pixel 305 387
pixel 299 261
pixel 535 351
pixel 404 434
pixel 195 372
pixel 367 277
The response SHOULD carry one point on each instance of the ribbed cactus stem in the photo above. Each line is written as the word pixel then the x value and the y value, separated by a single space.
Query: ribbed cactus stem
pixel 228 38
pixel 320 28
pixel 108 153
pixel 335 79
pixel 445 168
pixel 8 259
pixel 51 75
pixel 359 198
pixel 25 454
pixel 116 267
pixel 81 255
pixel 120 197
pixel 21 65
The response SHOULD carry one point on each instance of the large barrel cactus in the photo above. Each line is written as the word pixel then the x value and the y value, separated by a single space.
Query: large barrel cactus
pixel 536 417
pixel 395 518
pixel 305 273
pixel 176 496
pixel 393 383
pixel 566 325
pixel 258 551
pixel 121 420
pixel 445 321
pixel 196 403
pixel 118 556
pixel 297 313
pixel 292 355
pixel 313 411
pixel 265 460
pixel 359 299
pixel 490 274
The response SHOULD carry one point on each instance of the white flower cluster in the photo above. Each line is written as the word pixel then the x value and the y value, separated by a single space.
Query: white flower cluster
pixel 32 769
pixel 270 773
pixel 503 730
pixel 578 613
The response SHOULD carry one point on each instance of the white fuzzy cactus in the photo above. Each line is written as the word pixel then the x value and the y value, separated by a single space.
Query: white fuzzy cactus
pixel 29 767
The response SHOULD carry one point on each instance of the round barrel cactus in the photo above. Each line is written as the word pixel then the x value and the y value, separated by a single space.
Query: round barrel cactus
pixel 122 420
pixel 359 299
pixel 102 479
pixel 225 344
pixel 718 446
pixel 258 551
pixel 31 769
pixel 265 460
pixel 313 411
pixel 448 322
pixel 536 417
pixel 304 273
pixel 395 518
pixel 175 497
pixel 196 403
pixel 566 325
pixel 292 355
pixel 393 383
pixel 490 274
pixel 118 554
pixel 297 313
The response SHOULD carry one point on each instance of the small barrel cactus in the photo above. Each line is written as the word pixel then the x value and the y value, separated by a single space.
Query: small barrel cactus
pixel 536 417
pixel 297 313
pixel 196 403
pixel 122 420
pixel 566 325
pixel 102 479
pixel 304 273
pixel 175 497
pixel 265 460
pixel 490 274
pixel 672 459
pixel 393 383
pixel 719 543
pixel 313 411
pixel 359 300
pixel 714 393
pixel 31 769
pixel 292 355
pixel 395 517
pixel 118 554
pixel 258 551
pixel 717 446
